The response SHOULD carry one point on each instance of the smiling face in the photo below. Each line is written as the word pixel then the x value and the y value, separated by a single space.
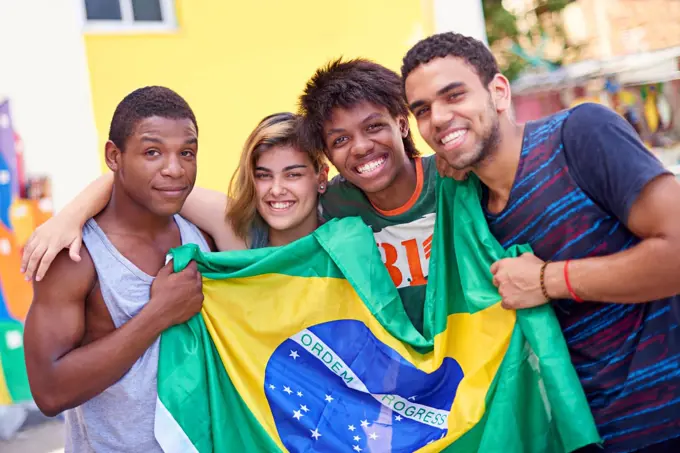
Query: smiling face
pixel 287 188
pixel 365 143
pixel 157 168
pixel 457 115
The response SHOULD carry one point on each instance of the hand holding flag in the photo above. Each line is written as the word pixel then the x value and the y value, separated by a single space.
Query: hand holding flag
pixel 519 281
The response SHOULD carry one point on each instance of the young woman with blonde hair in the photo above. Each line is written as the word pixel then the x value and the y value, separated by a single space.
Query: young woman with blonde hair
pixel 274 192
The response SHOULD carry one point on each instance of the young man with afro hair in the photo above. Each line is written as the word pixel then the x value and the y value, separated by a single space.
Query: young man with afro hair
pixel 602 215
pixel 354 110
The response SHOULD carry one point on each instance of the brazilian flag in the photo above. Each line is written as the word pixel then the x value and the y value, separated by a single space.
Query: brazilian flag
pixel 307 347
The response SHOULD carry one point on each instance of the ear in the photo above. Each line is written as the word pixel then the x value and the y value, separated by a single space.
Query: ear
pixel 323 179
pixel 499 88
pixel 404 126
pixel 112 155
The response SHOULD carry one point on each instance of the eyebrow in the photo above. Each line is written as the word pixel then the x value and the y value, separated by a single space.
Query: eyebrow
pixel 446 89
pixel 288 168
pixel 449 87
pixel 190 141
pixel 371 117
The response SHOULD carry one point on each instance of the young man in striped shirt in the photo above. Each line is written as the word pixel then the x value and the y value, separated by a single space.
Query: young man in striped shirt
pixel 602 216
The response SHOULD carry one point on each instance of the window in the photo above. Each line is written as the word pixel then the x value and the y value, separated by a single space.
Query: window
pixel 129 15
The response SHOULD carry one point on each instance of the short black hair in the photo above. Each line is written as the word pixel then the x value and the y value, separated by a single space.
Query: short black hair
pixel 345 84
pixel 441 45
pixel 144 103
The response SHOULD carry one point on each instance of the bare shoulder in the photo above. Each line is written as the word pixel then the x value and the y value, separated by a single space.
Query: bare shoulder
pixel 55 323
pixel 66 279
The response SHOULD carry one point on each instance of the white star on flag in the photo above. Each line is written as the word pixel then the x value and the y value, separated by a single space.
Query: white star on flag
pixel 287 389
pixel 329 398
pixel 357 438
pixel 316 434
pixel 293 354
pixel 299 393
pixel 398 418
pixel 297 415
pixel 303 408
pixel 351 427
pixel 412 398
pixel 272 386
pixel 364 423
pixel 373 436
pixel 357 448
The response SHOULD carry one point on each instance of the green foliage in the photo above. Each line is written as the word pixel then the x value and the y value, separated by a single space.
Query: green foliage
pixel 516 50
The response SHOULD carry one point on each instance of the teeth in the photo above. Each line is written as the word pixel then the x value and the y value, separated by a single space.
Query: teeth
pixel 281 204
pixel 370 166
pixel 453 135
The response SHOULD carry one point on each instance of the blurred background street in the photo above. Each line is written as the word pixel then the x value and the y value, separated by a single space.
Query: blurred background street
pixel 38 435
pixel 44 438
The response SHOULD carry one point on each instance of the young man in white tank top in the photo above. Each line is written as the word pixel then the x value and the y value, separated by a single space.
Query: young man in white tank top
pixel 92 333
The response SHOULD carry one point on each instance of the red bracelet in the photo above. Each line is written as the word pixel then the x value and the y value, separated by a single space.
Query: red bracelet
pixel 566 280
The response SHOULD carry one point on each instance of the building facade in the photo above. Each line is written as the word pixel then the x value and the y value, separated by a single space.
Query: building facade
pixel 66 64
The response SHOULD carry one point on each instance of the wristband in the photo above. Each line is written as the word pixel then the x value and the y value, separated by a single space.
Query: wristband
pixel 566 280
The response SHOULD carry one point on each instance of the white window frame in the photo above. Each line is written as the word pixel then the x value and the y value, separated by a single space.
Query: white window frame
pixel 127 24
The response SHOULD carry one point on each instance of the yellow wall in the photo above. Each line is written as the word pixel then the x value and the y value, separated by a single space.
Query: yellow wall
pixel 237 64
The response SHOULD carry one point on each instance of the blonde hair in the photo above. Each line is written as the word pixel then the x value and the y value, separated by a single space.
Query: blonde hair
pixel 280 129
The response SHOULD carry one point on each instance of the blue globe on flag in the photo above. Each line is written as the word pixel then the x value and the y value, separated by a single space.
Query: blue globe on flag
pixel 336 387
